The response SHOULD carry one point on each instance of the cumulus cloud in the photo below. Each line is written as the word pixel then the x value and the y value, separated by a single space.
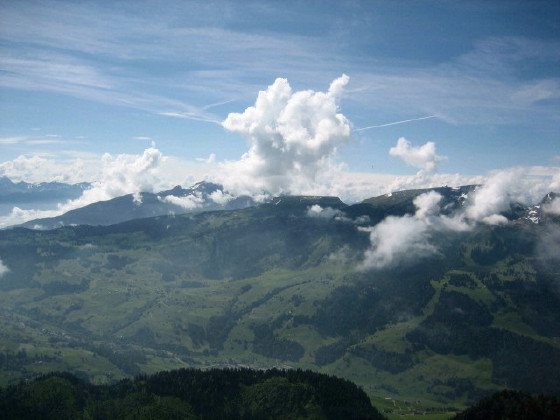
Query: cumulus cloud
pixel 422 157
pixel 3 268
pixel 293 139
pixel 37 169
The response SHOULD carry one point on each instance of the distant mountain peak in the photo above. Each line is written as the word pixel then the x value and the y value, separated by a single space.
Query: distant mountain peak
pixel 207 187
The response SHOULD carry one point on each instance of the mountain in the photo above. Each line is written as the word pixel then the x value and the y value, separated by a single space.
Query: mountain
pixel 202 196
pixel 23 191
pixel 38 196
pixel 278 284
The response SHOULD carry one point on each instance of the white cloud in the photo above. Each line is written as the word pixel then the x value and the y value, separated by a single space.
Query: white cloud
pixel 555 183
pixel 17 216
pixel 188 202
pixel 553 207
pixel 221 197
pixel 322 212
pixel 427 205
pixel 423 157
pixel 46 141
pixel 397 239
pixel 3 268
pixel 293 139
pixel 422 179
pixel 40 169
pixel 120 175
pixel 498 192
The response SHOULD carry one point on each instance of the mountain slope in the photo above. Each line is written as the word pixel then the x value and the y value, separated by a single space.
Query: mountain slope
pixel 273 285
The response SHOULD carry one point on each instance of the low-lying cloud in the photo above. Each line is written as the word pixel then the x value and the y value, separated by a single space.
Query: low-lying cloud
pixel 189 202
pixel 406 238
pixel 403 238
pixel 553 207
pixel 323 212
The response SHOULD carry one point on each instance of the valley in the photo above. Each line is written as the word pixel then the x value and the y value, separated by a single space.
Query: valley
pixel 271 286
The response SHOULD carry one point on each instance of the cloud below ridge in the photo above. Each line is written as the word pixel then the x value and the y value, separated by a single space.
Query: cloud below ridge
pixel 409 237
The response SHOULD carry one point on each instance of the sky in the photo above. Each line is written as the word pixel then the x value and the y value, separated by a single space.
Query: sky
pixel 347 98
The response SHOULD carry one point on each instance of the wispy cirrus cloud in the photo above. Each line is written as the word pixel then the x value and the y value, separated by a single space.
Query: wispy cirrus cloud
pixel 11 140
pixel 35 140
pixel 484 85
pixel 183 68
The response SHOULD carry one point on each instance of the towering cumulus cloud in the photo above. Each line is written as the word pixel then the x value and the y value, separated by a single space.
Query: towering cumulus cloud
pixel 293 139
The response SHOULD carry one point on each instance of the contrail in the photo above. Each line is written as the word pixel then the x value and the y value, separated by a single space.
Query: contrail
pixel 207 107
pixel 189 116
pixel 395 123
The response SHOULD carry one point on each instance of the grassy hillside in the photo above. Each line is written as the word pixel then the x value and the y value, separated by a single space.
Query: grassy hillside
pixel 269 286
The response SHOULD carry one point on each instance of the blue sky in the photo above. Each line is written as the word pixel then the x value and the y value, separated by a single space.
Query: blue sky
pixel 80 79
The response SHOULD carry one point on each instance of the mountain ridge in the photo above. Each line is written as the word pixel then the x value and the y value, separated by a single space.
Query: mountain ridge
pixel 208 196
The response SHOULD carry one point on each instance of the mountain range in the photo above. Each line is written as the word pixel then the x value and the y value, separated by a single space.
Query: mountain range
pixel 11 191
pixel 37 196
pixel 203 196
pixel 279 284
